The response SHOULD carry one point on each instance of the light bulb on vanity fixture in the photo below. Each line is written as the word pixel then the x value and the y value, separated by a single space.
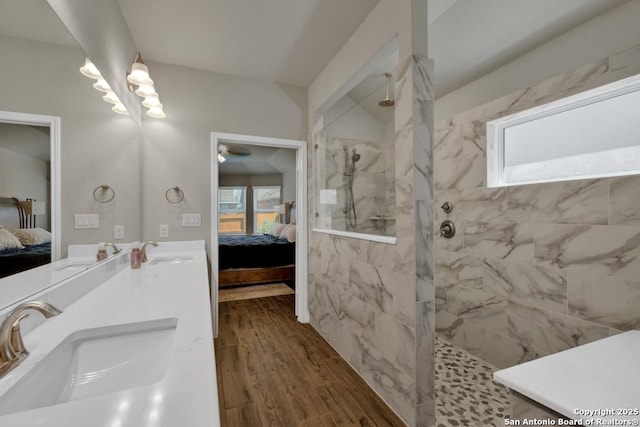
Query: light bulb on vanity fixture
pixel 111 98
pixel 102 86
pixel 90 70
pixel 139 81
pixel 221 158
pixel 119 108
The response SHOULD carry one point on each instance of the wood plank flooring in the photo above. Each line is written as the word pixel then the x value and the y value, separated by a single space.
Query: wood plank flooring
pixel 274 371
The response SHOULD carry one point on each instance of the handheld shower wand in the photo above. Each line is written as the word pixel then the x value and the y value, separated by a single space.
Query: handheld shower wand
pixel 350 203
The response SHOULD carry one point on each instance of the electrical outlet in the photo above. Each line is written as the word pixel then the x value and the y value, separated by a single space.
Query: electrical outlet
pixel 164 230
pixel 118 232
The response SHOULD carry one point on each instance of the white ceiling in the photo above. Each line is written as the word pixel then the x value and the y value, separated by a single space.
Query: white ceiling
pixel 472 38
pixel 30 141
pixel 287 41
pixel 261 161
pixel 291 41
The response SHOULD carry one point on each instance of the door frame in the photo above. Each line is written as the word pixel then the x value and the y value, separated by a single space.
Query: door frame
pixel 302 307
pixel 53 123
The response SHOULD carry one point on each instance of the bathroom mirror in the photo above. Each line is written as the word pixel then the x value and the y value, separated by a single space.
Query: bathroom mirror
pixel 355 157
pixel 42 84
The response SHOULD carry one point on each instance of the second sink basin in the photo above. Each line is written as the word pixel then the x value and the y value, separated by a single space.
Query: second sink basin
pixel 76 265
pixel 95 361
pixel 171 259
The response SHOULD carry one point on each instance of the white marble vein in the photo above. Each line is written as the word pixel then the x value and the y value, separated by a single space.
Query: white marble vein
pixel 358 316
pixel 396 388
pixel 570 202
pixel 604 250
pixel 548 332
pixel 498 349
pixel 509 241
pixel 425 375
pixel 484 308
pixel 624 200
pixel 396 341
pixel 605 300
pixel 532 285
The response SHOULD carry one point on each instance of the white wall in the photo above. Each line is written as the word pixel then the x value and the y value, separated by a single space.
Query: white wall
pixel 348 120
pixel 249 181
pixel 177 150
pixel 97 145
pixel 386 21
pixel 595 39
pixel 23 177
pixel 289 184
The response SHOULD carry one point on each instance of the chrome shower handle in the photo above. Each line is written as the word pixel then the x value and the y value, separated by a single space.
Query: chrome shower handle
pixel 447 229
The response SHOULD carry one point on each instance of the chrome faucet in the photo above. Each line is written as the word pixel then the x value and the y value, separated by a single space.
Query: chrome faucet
pixel 144 249
pixel 12 351
pixel 116 250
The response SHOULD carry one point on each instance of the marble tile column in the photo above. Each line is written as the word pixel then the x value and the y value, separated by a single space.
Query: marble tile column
pixel 375 302
pixel 414 195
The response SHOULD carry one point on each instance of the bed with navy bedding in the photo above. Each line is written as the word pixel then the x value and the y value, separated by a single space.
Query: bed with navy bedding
pixel 257 251
pixel 260 258
pixel 14 261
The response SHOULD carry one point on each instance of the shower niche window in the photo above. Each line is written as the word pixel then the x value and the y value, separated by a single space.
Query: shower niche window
pixel 355 159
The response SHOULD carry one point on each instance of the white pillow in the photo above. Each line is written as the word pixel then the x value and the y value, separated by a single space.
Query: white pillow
pixel 9 241
pixel 289 233
pixel 276 230
pixel 32 236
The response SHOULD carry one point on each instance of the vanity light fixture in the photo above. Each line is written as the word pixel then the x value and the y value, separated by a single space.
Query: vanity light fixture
pixel 102 86
pixel 90 70
pixel 119 108
pixel 111 98
pixel 139 82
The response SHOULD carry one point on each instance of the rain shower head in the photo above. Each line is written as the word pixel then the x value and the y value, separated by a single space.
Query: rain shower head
pixel 387 102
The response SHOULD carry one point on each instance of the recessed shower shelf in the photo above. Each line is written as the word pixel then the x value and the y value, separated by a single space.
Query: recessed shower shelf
pixel 381 218
pixel 361 236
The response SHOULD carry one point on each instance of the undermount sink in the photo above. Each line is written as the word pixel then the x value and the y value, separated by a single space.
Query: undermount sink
pixel 76 265
pixel 95 361
pixel 171 259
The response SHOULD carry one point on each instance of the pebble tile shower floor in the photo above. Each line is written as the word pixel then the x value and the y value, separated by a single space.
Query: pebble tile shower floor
pixel 466 394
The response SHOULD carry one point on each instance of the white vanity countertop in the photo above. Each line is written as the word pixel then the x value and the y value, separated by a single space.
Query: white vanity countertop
pixel 602 375
pixel 22 285
pixel 186 395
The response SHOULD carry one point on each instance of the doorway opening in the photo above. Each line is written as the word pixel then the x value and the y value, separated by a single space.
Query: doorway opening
pixel 52 205
pixel 222 141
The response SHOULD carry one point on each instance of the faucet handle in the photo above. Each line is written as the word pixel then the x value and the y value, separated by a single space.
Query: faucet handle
pixel 16 337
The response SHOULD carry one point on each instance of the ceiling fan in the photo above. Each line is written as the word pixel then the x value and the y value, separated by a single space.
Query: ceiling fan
pixel 225 151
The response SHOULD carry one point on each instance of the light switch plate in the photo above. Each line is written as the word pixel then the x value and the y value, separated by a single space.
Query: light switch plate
pixel 85 221
pixel 191 220
pixel 164 230
pixel 118 232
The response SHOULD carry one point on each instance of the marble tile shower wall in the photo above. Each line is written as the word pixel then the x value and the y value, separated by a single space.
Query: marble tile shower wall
pixel 373 184
pixel 374 302
pixel 540 268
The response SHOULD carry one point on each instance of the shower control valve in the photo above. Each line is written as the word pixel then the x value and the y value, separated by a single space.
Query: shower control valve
pixel 447 207
pixel 447 229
